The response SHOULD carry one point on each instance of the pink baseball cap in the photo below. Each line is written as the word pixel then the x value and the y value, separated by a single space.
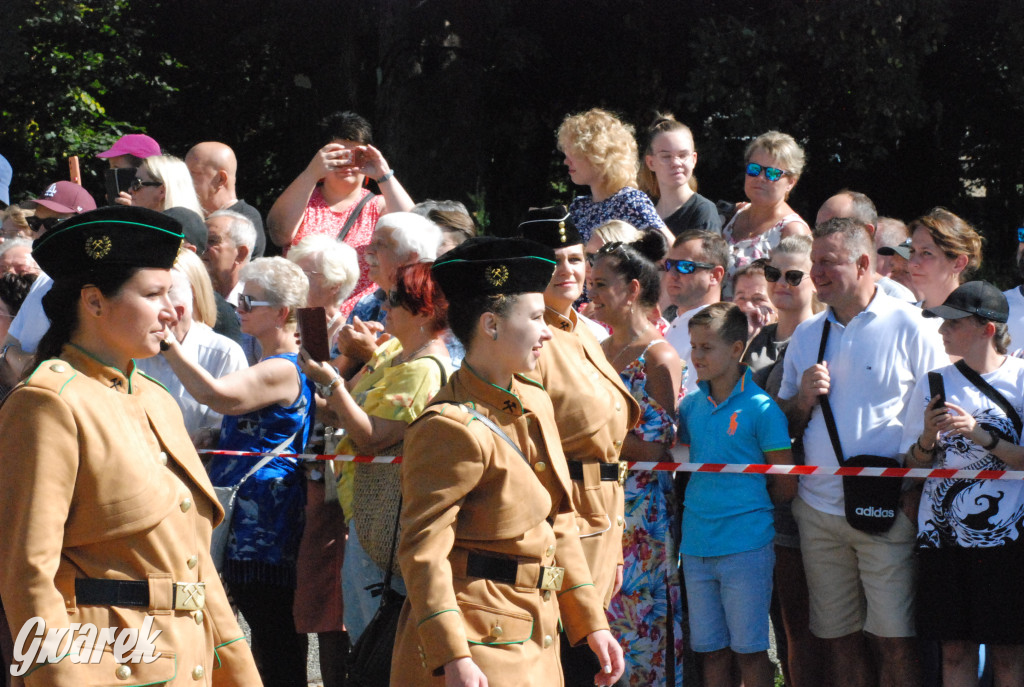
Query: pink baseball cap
pixel 66 196
pixel 139 145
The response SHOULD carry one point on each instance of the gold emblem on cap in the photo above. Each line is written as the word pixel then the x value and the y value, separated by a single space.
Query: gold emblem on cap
pixel 496 276
pixel 98 247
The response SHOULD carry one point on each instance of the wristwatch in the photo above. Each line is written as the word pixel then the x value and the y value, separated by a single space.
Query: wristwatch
pixel 327 390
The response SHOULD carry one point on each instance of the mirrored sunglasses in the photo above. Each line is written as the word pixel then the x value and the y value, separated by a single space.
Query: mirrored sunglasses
pixel 686 266
pixel 793 277
pixel 770 173
pixel 1020 234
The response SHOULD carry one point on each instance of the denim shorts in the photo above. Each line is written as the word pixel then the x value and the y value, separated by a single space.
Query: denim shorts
pixel 728 598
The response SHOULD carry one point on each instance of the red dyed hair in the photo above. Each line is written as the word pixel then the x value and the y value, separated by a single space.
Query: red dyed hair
pixel 420 294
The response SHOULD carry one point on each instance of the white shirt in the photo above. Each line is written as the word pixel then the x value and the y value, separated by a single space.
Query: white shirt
pixel 874 363
pixel 31 322
pixel 1015 324
pixel 678 335
pixel 896 289
pixel 216 354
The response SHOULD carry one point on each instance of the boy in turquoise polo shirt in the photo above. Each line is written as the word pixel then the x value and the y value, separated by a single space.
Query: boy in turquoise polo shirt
pixel 727 528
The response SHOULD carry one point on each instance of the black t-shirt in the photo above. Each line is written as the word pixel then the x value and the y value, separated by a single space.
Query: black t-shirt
pixel 696 213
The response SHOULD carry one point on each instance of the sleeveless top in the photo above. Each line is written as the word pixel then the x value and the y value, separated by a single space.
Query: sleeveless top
pixel 746 251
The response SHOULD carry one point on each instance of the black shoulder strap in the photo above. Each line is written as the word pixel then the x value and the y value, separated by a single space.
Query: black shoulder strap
pixel 440 365
pixel 354 215
pixel 826 407
pixel 984 387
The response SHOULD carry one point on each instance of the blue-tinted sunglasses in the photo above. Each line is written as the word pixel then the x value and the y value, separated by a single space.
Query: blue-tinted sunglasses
pixel 770 173
pixel 686 266
pixel 1020 234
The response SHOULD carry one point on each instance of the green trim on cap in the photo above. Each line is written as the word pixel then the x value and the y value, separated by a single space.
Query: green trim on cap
pixel 58 232
pixel 513 257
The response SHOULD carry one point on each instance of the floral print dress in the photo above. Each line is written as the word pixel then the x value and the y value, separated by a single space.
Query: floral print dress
pixel 651 594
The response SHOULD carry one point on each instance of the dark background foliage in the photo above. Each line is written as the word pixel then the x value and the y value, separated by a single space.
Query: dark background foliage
pixel 917 103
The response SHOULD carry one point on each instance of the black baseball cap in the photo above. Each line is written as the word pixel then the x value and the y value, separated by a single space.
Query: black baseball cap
pixel 902 250
pixel 973 298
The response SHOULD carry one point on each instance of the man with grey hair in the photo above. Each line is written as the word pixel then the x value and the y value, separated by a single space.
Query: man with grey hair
pixel 229 246
pixel 861 585
pixel 400 238
pixel 216 354
pixel 859 207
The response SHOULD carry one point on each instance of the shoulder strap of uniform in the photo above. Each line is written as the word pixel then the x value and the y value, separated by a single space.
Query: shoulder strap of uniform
pixel 488 423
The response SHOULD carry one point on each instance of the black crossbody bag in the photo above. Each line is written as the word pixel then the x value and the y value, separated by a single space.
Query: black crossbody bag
pixel 871 502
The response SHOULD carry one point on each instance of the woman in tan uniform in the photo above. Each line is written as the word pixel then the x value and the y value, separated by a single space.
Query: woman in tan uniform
pixel 489 548
pixel 107 510
pixel 593 411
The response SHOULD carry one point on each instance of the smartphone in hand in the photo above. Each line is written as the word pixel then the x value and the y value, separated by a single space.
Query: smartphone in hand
pixel 936 386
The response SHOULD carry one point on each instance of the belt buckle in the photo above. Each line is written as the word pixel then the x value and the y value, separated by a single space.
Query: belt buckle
pixel 623 471
pixel 189 596
pixel 551 579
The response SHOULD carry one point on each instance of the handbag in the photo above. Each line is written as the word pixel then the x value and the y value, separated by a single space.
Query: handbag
pixel 871 502
pixel 370 660
pixel 227 497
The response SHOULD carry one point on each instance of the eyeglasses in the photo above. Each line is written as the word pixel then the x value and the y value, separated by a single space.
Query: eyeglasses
pixel 770 173
pixel 687 266
pixel 36 223
pixel 1020 234
pixel 138 183
pixel 793 277
pixel 394 299
pixel 246 303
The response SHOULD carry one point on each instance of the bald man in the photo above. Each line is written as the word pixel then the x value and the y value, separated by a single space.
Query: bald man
pixel 213 167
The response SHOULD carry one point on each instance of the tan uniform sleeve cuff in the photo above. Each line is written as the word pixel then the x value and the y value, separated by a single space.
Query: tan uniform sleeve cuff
pixel 442 639
pixel 582 612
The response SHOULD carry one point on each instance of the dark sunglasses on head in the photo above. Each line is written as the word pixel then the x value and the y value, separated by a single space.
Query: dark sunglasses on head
pixel 1020 234
pixel 793 277
pixel 36 223
pixel 770 173
pixel 138 183
pixel 246 303
pixel 686 266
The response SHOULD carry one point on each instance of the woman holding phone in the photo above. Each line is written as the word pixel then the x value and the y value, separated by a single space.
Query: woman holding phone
pixel 971 532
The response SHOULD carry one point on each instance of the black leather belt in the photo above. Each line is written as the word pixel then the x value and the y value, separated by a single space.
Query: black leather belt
pixel 506 570
pixel 609 471
pixel 188 596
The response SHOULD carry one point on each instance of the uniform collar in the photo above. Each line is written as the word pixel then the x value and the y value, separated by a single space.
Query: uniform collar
pixel 90 366
pixel 556 319
pixel 506 400
pixel 745 380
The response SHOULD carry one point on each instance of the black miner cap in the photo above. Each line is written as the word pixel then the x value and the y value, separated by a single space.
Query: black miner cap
pixel 492 266
pixel 115 236
pixel 551 226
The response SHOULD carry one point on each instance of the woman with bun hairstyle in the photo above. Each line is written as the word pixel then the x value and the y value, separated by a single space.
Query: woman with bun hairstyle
pixel 107 510
pixel 624 289
pixel 593 411
pixel 489 549
pixel 667 177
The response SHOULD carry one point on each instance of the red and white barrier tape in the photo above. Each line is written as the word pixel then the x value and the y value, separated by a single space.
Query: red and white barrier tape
pixel 683 453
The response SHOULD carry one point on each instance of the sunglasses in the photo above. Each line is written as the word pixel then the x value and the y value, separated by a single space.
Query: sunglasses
pixel 686 266
pixel 246 303
pixel 138 183
pixel 395 300
pixel 1020 234
pixel 793 277
pixel 35 223
pixel 770 173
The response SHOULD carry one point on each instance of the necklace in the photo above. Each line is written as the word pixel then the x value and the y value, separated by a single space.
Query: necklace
pixel 402 358
pixel 629 343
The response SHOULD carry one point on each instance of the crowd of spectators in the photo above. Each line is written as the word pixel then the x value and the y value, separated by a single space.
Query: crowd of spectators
pixel 739 329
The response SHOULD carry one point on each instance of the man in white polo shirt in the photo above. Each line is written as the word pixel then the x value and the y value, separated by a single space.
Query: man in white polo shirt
pixel 861 585
pixel 696 265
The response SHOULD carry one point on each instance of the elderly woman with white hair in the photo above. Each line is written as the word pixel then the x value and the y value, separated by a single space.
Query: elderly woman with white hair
pixel 267 408
pixel 332 269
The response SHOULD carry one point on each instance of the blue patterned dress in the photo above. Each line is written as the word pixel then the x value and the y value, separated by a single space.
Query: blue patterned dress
pixel 627 204
pixel 650 577
pixel 267 524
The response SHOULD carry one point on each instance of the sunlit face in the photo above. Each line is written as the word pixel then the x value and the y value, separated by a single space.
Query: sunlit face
pixel 609 293
pixel 567 281
pixel 151 197
pixel 750 293
pixel 581 171
pixel 19 261
pixel 687 291
pixel 383 259
pixel 221 253
pixel 132 321
pixel 929 266
pixel 259 319
pixel 522 332
pixel 833 272
pixel 759 190
pixel 672 158
pixel 958 336
pixel 784 296
pixel 712 357
pixel 321 293
pixel 900 273
pixel 402 323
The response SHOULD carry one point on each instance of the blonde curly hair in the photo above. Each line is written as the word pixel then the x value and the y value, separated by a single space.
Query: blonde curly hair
pixel 606 142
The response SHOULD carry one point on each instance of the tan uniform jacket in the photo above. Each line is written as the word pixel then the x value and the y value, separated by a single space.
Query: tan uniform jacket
pixel 465 489
pixel 98 479
pixel 593 410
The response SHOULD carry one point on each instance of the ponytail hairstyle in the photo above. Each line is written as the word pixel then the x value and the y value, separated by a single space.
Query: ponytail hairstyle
pixel 638 260
pixel 663 123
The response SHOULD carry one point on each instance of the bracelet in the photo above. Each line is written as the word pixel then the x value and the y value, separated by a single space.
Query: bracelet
pixel 922 449
pixel 992 444
pixel 327 390
pixel 386 177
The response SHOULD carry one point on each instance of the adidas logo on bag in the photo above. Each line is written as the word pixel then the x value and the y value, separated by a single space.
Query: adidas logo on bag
pixel 873 512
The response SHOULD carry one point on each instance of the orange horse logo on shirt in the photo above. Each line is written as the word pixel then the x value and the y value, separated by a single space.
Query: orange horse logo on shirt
pixel 733 424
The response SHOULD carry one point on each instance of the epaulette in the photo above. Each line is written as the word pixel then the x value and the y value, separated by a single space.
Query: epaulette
pixel 451 410
pixel 53 374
